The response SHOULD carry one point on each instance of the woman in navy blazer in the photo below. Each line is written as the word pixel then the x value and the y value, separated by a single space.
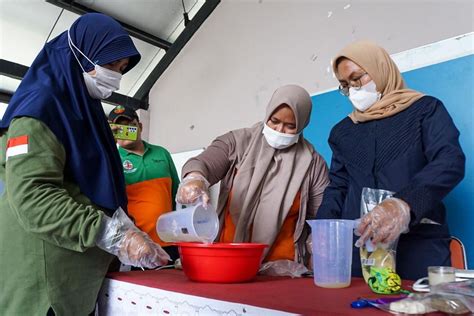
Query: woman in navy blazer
pixel 399 140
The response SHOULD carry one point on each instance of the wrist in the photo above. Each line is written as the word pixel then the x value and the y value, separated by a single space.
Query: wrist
pixel 402 206
pixel 405 213
pixel 104 232
pixel 195 175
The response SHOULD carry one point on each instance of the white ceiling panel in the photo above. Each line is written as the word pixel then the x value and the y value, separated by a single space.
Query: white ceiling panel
pixel 65 21
pixel 24 28
pixel 3 107
pixel 8 84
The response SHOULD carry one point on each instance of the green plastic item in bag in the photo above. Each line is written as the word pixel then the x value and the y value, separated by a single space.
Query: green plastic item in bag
pixel 385 281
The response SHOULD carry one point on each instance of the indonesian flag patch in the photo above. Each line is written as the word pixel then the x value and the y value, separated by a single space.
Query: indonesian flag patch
pixel 17 146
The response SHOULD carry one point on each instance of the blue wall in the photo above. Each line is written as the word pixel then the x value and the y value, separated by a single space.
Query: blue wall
pixel 451 82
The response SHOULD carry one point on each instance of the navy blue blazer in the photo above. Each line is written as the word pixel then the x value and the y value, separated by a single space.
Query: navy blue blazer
pixel 415 153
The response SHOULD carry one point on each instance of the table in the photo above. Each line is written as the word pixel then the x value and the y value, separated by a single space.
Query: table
pixel 169 292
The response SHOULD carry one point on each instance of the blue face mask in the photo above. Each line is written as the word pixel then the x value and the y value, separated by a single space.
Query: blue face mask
pixel 103 82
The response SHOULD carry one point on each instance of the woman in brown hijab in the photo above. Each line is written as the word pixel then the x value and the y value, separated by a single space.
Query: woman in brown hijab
pixel 399 140
pixel 272 179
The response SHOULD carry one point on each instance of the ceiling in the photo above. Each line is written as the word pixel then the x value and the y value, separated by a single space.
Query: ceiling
pixel 25 26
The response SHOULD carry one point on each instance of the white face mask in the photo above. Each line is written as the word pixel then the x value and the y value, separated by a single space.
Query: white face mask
pixel 103 82
pixel 279 140
pixel 365 97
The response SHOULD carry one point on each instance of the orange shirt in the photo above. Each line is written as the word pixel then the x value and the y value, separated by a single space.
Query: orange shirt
pixel 284 245
pixel 152 182
pixel 148 200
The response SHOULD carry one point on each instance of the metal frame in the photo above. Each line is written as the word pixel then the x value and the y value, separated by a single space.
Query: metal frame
pixel 5 96
pixel 18 71
pixel 77 8
pixel 174 50
pixel 125 100
pixel 12 70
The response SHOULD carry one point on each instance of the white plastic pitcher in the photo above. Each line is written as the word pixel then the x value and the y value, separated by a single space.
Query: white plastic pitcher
pixel 193 223
pixel 332 252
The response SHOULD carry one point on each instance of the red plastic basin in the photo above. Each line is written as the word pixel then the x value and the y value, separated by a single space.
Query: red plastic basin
pixel 221 262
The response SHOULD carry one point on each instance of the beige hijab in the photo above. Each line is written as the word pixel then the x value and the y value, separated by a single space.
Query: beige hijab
pixel 381 68
pixel 267 179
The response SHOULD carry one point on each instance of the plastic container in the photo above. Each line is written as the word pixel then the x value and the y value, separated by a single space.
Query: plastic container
pixel 193 223
pixel 221 262
pixel 332 252
pixel 440 274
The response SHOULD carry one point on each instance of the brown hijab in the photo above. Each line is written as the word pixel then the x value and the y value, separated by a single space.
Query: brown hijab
pixel 268 179
pixel 381 68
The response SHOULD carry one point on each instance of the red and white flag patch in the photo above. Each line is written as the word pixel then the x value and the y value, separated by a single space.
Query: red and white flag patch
pixel 17 146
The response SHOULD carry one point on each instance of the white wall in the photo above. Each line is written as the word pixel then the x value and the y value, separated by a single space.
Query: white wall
pixel 226 74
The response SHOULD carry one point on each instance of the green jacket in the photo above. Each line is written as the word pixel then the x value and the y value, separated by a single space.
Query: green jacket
pixel 48 256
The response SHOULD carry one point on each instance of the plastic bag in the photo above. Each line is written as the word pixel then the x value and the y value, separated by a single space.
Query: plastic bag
pixel 377 256
pixel 427 303
pixel 412 305
pixel 283 268
pixel 454 298
pixel 460 292
pixel 450 304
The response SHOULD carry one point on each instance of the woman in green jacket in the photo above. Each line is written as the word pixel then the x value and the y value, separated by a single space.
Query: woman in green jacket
pixel 61 212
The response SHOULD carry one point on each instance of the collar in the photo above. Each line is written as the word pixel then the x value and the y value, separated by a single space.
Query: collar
pixel 125 152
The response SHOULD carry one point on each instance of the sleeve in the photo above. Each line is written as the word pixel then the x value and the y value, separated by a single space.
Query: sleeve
pixel 214 162
pixel 444 168
pixel 335 193
pixel 35 191
pixel 318 184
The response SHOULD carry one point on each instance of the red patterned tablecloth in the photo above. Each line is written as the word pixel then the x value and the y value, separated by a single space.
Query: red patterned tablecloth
pixel 297 296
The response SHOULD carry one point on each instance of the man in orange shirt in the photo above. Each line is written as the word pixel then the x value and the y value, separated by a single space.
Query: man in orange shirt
pixel 151 178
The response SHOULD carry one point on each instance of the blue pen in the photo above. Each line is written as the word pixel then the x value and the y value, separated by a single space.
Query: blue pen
pixel 362 302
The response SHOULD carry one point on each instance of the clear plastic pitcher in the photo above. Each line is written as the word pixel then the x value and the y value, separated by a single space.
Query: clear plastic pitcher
pixel 332 252
pixel 193 223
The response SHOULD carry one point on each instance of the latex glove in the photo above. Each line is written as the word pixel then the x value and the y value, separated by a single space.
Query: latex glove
pixel 120 237
pixel 193 187
pixel 384 223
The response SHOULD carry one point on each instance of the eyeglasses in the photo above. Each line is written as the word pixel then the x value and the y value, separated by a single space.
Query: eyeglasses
pixel 354 83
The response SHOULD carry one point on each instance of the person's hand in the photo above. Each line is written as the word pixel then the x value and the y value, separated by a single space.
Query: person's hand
pixel 139 250
pixel 115 128
pixel 384 223
pixel 120 237
pixel 193 187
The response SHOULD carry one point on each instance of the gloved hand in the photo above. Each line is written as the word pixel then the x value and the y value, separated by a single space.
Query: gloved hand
pixel 193 187
pixel 384 223
pixel 120 237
